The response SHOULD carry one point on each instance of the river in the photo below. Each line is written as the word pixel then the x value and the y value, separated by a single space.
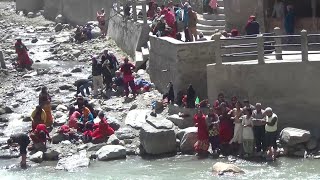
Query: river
pixel 179 167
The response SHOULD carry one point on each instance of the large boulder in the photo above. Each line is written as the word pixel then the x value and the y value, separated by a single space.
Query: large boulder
pixel 96 32
pixel 51 155
pixel 312 144
pixel 157 141
pixel 114 123
pixel 188 140
pixel 58 27
pixel 221 168
pixel 60 19
pixel 159 122
pixel 125 133
pixel 37 157
pixel 110 152
pixel 181 122
pixel 292 136
pixel 181 132
pixel 113 140
pixel 136 118
pixel 96 147
pixel 75 161
pixel 57 138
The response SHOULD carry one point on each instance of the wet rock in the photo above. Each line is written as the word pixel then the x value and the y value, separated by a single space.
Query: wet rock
pixel 59 114
pixel 188 140
pixel 61 121
pixel 10 94
pixel 41 28
pixel 113 140
pixel 110 152
pixel 221 168
pixel 82 147
pixel 125 133
pixel 8 154
pixel 300 153
pixel 114 123
pixel 59 19
pixel 181 122
pixel 96 32
pixel 159 122
pixel 4 119
pixel 66 75
pixel 291 136
pixel 181 132
pixel 65 87
pixel 57 138
pixel 157 141
pixel 61 107
pixel 76 53
pixel 58 27
pixel 73 162
pixel 31 15
pixel 75 70
pixel 37 157
pixel 312 144
pixel 26 118
pixel 136 118
pixel 134 106
pixel 34 40
pixel 51 155
pixel 2 111
pixel 96 147
pixel 8 109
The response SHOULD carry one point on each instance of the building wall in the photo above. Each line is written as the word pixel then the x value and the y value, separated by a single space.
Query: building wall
pixel 290 88
pixel 29 5
pixel 179 62
pixel 238 11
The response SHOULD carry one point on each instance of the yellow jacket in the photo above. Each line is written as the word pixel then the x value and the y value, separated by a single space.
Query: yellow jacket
pixel 43 117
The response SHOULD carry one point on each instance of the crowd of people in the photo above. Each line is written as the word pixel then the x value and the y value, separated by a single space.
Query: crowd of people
pixel 237 128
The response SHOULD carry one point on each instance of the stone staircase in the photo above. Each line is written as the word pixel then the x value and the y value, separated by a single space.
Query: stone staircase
pixel 209 23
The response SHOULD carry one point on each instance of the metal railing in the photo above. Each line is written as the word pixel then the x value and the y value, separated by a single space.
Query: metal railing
pixel 120 6
pixel 268 44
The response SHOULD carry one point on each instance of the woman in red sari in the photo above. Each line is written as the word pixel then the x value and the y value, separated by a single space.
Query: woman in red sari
pixel 103 130
pixel 202 145
pixel 226 128
pixel 170 20
pixel 23 58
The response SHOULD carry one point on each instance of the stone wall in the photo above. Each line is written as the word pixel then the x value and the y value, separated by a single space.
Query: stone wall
pixel 238 11
pixel 290 88
pixel 129 35
pixel 29 5
pixel 179 62
pixel 76 11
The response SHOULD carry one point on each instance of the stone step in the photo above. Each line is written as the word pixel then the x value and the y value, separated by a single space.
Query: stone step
pixel 206 27
pixel 138 59
pixel 210 32
pixel 220 10
pixel 145 54
pixel 211 22
pixel 149 45
pixel 214 16
pixel 221 3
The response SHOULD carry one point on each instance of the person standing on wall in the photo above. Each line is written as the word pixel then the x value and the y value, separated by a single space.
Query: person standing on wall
pixel 186 21
pixel 192 24
pixel 289 22
pixel 101 17
pixel 96 76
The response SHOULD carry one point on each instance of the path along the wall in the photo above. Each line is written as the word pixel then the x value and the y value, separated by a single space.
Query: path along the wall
pixel 180 62
pixel 290 88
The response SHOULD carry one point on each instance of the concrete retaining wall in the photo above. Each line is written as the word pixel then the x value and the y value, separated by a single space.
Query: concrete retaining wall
pixel 129 35
pixel 290 88
pixel 179 62
pixel 29 5
pixel 76 11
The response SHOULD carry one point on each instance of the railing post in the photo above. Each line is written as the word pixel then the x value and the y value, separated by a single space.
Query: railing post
pixel 304 45
pixel 278 43
pixel 260 44
pixel 134 10
pixel 144 12
pixel 217 48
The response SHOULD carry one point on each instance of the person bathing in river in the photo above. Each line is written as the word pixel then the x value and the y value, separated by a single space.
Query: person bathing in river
pixel 236 115
pixel 23 58
pixel 23 141
pixel 218 102
pixel 247 133
pixel 102 130
pixel 202 144
pixel 45 103
pixel 225 128
pixel 38 116
pixel 259 128
pixel 271 128
pixel 127 68
pixel 213 130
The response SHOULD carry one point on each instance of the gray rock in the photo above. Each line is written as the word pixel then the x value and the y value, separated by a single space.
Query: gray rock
pixel 312 144
pixel 60 121
pixel 67 75
pixel 96 147
pixel 2 111
pixel 4 119
pixel 61 107
pixel 31 15
pixel 58 27
pixel 75 70
pixel 96 32
pixel 113 140
pixel 57 138
pixel 59 19
pixel 37 157
pixel 73 162
pixel 65 87
pixel 8 154
pixel 157 141
pixel 221 168
pixel 159 122
pixel 291 136
pixel 300 153
pixel 26 119
pixel 125 133
pixel 136 118
pixel 51 155
pixel 110 152
pixel 34 40
pixel 8 109
pixel 82 147
pixel 188 140
pixel 181 132
pixel 181 122
pixel 114 123
pixel 134 106
pixel 76 53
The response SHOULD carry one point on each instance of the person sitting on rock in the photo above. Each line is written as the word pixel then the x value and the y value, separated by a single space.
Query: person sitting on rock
pixel 102 130
pixel 40 136
pixel 118 83
pixel 86 120
pixel 23 58
pixel 80 103
pixel 83 84
pixel 68 133
pixel 38 116
pixel 23 141
pixel 74 116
